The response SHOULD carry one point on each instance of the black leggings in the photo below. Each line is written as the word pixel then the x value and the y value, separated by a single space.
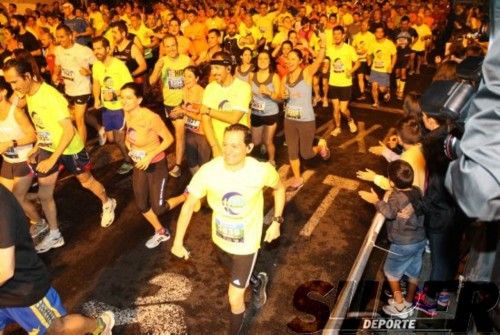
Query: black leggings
pixel 150 187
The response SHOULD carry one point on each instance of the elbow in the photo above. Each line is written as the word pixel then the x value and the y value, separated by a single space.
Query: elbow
pixel 6 276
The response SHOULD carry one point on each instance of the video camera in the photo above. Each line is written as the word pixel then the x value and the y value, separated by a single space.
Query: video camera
pixel 449 100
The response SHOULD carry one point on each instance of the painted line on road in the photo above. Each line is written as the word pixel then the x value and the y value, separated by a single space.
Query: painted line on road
pixel 360 137
pixel 337 183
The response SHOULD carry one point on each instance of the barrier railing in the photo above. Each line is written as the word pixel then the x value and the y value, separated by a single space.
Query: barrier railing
pixel 347 294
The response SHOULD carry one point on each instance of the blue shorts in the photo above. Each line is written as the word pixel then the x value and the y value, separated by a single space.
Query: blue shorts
pixel 74 164
pixel 36 318
pixel 113 120
pixel 404 260
pixel 381 78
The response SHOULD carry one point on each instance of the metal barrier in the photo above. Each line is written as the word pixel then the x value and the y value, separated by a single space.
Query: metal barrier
pixel 347 294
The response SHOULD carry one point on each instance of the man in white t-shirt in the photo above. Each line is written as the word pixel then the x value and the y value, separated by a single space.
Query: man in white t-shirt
pixel 73 62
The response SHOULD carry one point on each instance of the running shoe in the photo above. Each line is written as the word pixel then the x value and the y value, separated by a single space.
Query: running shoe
pixel 38 228
pixel 108 320
pixel 108 213
pixel 102 136
pixel 175 172
pixel 157 238
pixel 324 150
pixel 352 126
pixel 429 309
pixel 401 311
pixel 259 292
pixel 387 97
pixel 51 241
pixel 125 168
pixel 375 105
pixel 362 97
pixel 336 132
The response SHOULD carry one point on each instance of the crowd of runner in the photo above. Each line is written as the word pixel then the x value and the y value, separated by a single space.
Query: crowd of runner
pixel 218 65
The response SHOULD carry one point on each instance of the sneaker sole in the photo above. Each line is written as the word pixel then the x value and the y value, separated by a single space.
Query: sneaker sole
pixel 54 246
pixel 109 326
pixel 401 315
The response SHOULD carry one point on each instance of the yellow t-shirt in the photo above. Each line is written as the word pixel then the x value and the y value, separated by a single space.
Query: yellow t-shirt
pixel 144 35
pixel 265 24
pixel 362 44
pixel 46 108
pixel 347 19
pixel 245 31
pixel 236 198
pixel 422 31
pixel 341 60
pixel 96 20
pixel 172 78
pixel 111 79
pixel 235 97
pixel 382 52
pixel 215 23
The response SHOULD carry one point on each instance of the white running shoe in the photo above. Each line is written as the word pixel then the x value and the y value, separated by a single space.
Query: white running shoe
pixel 108 213
pixel 401 311
pixel 157 238
pixel 102 136
pixel 49 242
pixel 352 126
pixel 108 318
pixel 38 228
pixel 336 132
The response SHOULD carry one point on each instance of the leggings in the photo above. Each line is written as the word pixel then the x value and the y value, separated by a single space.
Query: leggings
pixel 300 135
pixel 150 186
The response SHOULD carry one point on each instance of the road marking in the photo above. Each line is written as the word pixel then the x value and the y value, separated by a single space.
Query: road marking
pixel 379 109
pixel 360 137
pixel 156 314
pixel 337 183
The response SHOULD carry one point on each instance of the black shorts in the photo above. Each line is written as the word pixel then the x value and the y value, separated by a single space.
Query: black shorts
pixel 418 53
pixel 339 93
pixel 265 120
pixel 74 164
pixel 363 69
pixel 78 99
pixel 240 266
pixel 198 151
pixel 15 170
pixel 403 58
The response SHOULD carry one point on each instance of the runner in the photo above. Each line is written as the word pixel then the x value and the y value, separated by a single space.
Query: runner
pixel 226 101
pixel 362 43
pixel 73 62
pixel 300 124
pixel 26 296
pixel 147 139
pixel 383 56
pixel 57 144
pixel 344 63
pixel 17 136
pixel 265 95
pixel 245 66
pixel 405 37
pixel 197 148
pixel 170 69
pixel 233 185
pixel 109 74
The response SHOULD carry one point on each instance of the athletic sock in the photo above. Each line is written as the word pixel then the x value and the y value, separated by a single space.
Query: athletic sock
pixel 235 323
pixel 54 232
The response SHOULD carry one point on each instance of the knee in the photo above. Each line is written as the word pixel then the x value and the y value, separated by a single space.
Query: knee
pixel 45 194
pixel 56 327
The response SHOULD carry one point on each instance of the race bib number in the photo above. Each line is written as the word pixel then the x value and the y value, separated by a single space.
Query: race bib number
pixel 258 106
pixel 44 140
pixel 192 124
pixel 231 231
pixel 68 74
pixel 293 112
pixel 11 153
pixel 137 155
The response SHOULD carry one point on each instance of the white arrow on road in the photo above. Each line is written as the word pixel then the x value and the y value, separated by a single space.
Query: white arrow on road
pixel 337 183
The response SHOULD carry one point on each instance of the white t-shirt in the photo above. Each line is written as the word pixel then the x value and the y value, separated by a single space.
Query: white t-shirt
pixel 71 60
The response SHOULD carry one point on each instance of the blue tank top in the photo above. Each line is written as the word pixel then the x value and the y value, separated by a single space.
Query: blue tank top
pixel 299 107
pixel 263 105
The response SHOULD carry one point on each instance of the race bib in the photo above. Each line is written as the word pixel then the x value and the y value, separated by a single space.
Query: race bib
pixel 230 230
pixel 293 112
pixel 378 64
pixel 258 106
pixel 68 74
pixel 192 124
pixel 137 155
pixel 44 140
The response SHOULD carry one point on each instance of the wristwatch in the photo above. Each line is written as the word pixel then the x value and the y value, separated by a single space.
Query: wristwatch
pixel 278 219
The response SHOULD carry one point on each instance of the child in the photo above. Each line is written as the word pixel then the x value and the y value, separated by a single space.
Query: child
pixel 407 236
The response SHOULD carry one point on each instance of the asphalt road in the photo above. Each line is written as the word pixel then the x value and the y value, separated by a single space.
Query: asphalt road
pixel 152 292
